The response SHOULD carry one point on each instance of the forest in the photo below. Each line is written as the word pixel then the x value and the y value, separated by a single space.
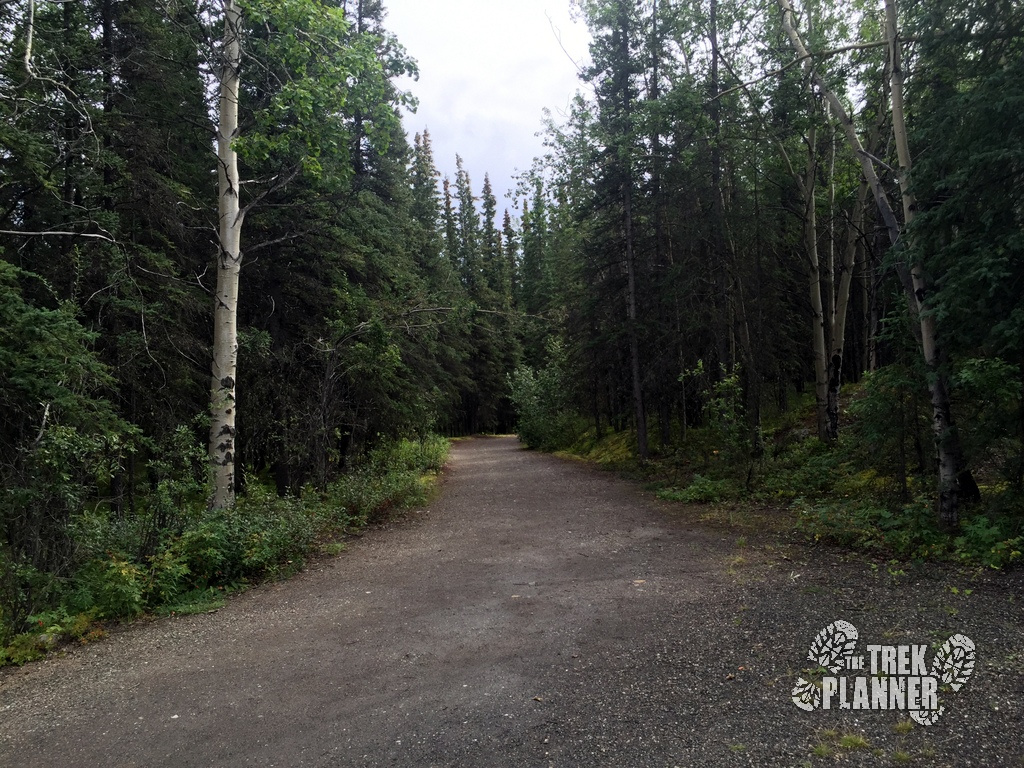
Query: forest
pixel 774 255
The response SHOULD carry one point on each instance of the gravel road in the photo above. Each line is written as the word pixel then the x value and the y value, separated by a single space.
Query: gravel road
pixel 538 613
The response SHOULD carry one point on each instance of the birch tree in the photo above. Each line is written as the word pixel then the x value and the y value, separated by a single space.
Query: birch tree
pixel 229 265
pixel 828 298
pixel 308 65
pixel 914 279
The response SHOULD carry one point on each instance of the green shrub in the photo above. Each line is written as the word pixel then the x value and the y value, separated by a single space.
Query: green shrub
pixel 198 557
pixel 58 622
pixel 546 419
pixel 24 591
pixel 181 472
pixel 261 536
pixel 390 477
pixel 111 588
pixel 993 542
pixel 426 455
pixel 613 449
pixel 272 533
pixel 367 496
pixel 202 555
pixel 891 424
pixel 26 647
pixel 724 418
pixel 868 525
pixel 911 531
pixel 808 468
pixel 59 436
pixel 176 499
pixel 702 490
pixel 46 630
pixel 988 403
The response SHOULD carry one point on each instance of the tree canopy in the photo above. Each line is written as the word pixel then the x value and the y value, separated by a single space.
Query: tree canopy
pixel 743 203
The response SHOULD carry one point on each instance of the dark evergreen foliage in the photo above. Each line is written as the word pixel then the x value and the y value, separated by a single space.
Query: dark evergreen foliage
pixel 657 275
pixel 359 324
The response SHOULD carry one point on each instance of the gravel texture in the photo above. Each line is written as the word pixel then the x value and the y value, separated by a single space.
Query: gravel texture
pixel 539 613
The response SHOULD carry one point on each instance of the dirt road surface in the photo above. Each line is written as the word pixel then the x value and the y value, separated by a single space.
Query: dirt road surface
pixel 538 613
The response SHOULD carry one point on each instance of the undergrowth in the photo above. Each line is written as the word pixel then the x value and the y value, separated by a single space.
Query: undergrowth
pixel 207 556
pixel 863 493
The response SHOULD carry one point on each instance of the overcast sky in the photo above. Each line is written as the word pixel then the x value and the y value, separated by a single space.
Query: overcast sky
pixel 487 70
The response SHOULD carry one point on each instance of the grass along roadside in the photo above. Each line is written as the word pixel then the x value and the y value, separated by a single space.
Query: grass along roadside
pixel 786 481
pixel 209 555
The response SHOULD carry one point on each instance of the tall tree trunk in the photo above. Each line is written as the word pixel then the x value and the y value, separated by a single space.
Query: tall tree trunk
pixel 867 277
pixel 892 224
pixel 837 340
pixel 229 262
pixel 639 409
pixel 914 280
pixel 665 380
pixel 819 320
pixel 723 319
pixel 820 309
pixel 952 472
pixel 830 259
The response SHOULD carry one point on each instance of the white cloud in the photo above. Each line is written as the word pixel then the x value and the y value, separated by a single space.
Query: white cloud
pixel 488 68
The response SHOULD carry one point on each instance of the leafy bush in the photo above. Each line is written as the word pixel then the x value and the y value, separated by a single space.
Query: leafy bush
pixel 723 415
pixel 702 490
pixel 48 628
pixel 866 524
pixel 546 419
pixel 891 424
pixel 391 476
pixel 426 455
pixel 807 468
pixel 911 531
pixel 24 590
pixel 613 449
pixel 112 588
pixel 58 435
pixel 26 647
pixel 988 403
pixel 269 533
pixel 176 499
pixel 199 556
pixel 993 542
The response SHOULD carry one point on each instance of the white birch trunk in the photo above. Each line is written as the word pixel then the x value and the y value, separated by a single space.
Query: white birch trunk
pixel 837 340
pixel 819 321
pixel 229 261
pixel 947 443
pixel 866 164
pixel 914 280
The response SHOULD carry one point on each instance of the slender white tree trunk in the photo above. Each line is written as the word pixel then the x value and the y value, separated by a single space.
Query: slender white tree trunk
pixel 947 442
pixel 914 280
pixel 838 326
pixel 866 164
pixel 819 320
pixel 830 262
pixel 229 261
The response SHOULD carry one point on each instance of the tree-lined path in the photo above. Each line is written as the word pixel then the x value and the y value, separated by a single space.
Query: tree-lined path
pixel 539 612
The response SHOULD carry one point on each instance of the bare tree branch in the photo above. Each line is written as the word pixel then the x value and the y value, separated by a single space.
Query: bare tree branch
pixel 805 57
pixel 56 233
